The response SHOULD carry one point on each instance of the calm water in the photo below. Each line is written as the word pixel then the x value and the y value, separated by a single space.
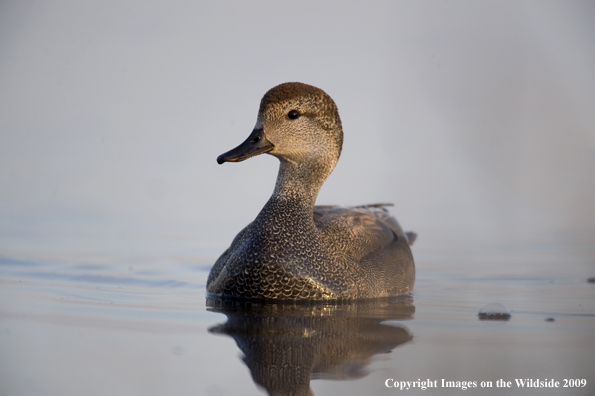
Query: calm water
pixel 123 325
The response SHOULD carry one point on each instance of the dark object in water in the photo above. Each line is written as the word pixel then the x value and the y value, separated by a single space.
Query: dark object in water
pixel 494 311
pixel 550 320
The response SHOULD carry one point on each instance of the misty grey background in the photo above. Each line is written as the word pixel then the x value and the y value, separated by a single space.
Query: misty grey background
pixel 477 119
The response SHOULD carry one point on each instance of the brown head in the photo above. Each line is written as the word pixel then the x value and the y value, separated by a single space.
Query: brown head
pixel 296 123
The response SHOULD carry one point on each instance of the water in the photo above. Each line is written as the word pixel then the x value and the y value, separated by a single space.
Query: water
pixel 129 325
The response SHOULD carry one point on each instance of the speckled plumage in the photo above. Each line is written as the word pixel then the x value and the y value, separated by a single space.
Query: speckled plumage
pixel 294 250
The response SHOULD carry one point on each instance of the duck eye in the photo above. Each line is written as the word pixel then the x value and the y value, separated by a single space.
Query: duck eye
pixel 293 114
pixel 255 139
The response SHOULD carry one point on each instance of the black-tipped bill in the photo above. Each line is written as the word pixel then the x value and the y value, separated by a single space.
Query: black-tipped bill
pixel 256 143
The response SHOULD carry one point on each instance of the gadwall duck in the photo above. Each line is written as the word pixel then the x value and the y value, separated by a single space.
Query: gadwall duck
pixel 294 250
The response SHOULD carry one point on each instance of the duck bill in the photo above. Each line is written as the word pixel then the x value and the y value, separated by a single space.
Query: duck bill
pixel 256 143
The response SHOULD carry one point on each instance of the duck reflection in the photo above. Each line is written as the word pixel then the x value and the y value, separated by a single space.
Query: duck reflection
pixel 286 345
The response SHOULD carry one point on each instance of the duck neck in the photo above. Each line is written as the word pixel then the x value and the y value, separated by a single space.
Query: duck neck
pixel 300 182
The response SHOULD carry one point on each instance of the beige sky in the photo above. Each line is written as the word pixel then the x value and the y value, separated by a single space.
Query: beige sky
pixel 475 118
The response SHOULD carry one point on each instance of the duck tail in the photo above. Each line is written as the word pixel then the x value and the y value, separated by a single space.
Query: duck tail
pixel 411 237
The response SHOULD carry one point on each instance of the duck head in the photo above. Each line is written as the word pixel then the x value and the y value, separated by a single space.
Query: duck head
pixel 297 123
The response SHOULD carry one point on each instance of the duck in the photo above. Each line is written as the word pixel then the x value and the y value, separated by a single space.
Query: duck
pixel 295 250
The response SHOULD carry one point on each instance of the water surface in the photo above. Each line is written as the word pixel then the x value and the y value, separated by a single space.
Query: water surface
pixel 129 325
